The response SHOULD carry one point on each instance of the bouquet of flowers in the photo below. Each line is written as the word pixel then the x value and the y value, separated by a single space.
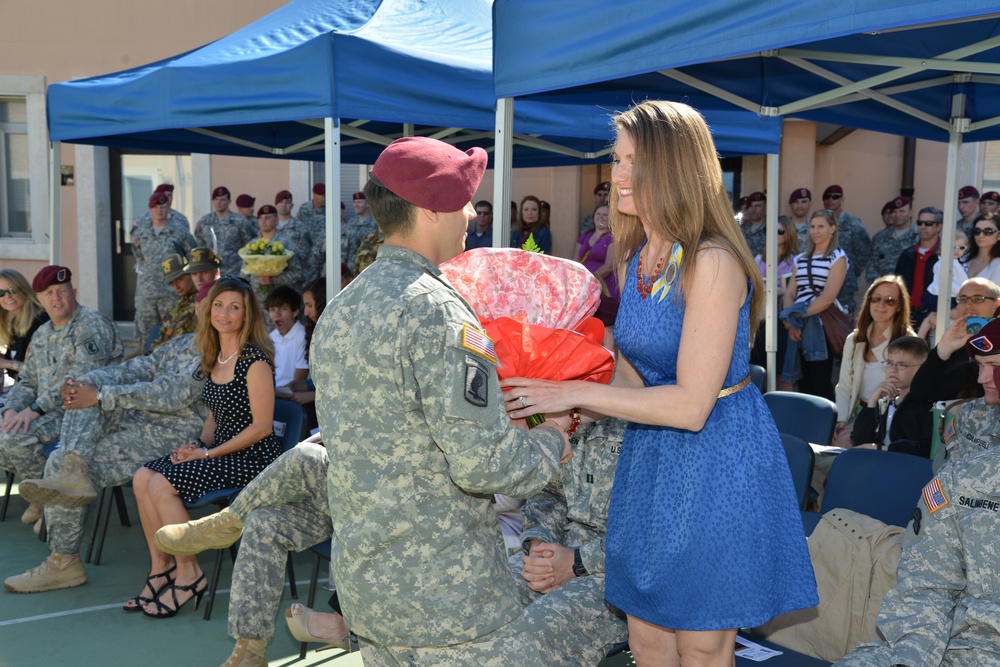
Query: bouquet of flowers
pixel 263 257
pixel 537 310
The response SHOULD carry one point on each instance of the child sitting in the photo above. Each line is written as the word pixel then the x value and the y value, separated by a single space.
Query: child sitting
pixel 892 420
pixel 289 336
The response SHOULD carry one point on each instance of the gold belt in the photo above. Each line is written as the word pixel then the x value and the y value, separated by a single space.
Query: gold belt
pixel 736 387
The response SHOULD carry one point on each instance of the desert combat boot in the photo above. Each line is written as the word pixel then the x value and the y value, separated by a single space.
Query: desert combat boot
pixel 215 531
pixel 58 571
pixel 248 653
pixel 71 487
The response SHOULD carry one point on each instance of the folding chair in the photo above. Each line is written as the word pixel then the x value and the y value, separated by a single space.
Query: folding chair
pixel 801 460
pixel 883 485
pixel 758 375
pixel 810 418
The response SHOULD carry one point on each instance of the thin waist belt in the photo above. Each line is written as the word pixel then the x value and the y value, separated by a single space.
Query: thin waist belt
pixel 742 384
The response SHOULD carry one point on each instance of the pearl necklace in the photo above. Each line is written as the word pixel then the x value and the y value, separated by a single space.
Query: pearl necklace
pixel 227 359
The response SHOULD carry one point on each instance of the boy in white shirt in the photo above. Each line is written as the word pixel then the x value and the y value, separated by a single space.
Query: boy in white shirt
pixel 289 336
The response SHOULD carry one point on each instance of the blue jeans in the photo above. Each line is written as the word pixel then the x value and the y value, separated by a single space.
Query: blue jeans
pixel 812 345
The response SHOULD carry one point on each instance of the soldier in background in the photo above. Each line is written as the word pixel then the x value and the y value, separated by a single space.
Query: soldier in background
pixel 356 228
pixel 116 419
pixel 854 240
pixel 295 271
pixel 313 212
pixel 181 317
pixel 244 206
pixel 368 250
pixel 174 215
pixel 889 244
pixel 753 225
pixel 153 242
pixel 75 340
pixel 298 234
pixel 203 267
pixel 225 232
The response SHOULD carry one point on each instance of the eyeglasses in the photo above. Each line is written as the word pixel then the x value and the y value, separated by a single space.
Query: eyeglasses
pixel 833 196
pixel 887 300
pixel 926 223
pixel 781 231
pixel 896 366
pixel 239 279
pixel 961 248
pixel 984 231
pixel 484 213
pixel 9 290
pixel 975 298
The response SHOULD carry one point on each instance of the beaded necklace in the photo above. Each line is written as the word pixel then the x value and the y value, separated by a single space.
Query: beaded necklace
pixel 659 283
pixel 227 359
pixel 644 285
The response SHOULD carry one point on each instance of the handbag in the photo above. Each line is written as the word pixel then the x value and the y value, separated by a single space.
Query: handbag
pixel 837 325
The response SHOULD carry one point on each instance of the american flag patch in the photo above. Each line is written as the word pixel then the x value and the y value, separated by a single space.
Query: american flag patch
pixel 934 496
pixel 476 341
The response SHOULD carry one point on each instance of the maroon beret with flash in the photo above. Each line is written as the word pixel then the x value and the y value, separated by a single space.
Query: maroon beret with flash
pixel 157 198
pixel 51 275
pixel 801 193
pixel 430 173
pixel 245 201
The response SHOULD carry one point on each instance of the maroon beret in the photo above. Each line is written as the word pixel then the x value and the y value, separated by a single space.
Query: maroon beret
pixel 986 343
pixel 51 275
pixel 221 191
pixel 801 193
pixel 430 173
pixel 157 198
pixel 887 207
pixel 265 209
pixel 320 189
pixel 833 190
pixel 358 195
pixel 756 196
pixel 968 191
pixel 992 195
pixel 900 202
pixel 245 201
pixel 164 187
pixel 606 185
pixel 282 196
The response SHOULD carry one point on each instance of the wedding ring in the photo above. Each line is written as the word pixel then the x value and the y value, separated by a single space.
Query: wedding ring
pixel 524 403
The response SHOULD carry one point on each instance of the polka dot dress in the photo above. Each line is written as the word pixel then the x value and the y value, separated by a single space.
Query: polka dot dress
pixel 230 404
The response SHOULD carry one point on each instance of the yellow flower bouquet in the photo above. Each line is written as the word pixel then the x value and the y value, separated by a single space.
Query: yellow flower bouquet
pixel 262 257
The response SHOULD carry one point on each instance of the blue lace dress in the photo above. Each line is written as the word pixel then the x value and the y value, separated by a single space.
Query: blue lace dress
pixel 703 528
pixel 230 404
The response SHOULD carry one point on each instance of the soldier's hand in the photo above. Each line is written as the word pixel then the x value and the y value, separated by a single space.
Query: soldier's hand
pixel 17 422
pixel 266 280
pixel 78 394
pixel 548 567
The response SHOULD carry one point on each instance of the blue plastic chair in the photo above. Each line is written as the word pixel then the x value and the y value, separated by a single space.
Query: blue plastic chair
pixel 758 375
pixel 810 418
pixel 801 460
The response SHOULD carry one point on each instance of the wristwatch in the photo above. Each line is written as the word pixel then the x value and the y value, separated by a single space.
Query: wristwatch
pixel 578 569
pixel 34 408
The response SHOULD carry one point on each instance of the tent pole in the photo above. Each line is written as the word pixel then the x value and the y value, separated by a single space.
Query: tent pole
pixel 331 148
pixel 771 279
pixel 55 202
pixel 503 146
pixel 948 235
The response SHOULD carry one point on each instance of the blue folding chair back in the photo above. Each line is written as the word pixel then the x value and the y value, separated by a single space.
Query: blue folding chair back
pixel 289 423
pixel 801 460
pixel 883 485
pixel 758 375
pixel 810 418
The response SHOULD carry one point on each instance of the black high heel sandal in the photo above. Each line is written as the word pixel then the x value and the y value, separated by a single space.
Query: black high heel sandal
pixel 163 611
pixel 139 600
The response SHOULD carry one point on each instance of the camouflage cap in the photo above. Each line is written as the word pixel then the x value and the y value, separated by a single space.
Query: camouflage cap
pixel 202 259
pixel 173 268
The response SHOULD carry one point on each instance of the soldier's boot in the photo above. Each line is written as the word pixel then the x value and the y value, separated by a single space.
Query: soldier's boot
pixel 215 531
pixel 58 571
pixel 248 653
pixel 70 488
pixel 32 514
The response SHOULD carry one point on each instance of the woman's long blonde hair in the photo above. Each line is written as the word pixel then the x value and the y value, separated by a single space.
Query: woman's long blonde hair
pixel 19 323
pixel 678 190
pixel 252 331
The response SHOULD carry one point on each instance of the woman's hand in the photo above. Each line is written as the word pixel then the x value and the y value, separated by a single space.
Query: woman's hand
pixel 188 452
pixel 525 397
pixel 954 339
pixel 794 334
pixel 303 397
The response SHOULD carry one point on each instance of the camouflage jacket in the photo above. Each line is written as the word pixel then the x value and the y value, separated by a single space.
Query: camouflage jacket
pixel 886 249
pixel 411 412
pixel 230 234
pixel 353 233
pixel 368 250
pixel 181 318
pixel 151 247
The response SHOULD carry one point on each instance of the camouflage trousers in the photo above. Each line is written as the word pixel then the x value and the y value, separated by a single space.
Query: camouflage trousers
pixel 508 645
pixel 871 654
pixel 22 452
pixel 283 509
pixel 114 443
pixel 149 312
pixel 572 625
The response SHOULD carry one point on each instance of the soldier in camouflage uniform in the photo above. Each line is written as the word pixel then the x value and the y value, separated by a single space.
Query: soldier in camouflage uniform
pixel 753 226
pixel 181 317
pixel 854 240
pixel 889 244
pixel 225 232
pixel 298 234
pixel 313 212
pixel 356 229
pixel 368 250
pixel 117 418
pixel 410 407
pixel 152 243
pixel 295 272
pixel 74 341
pixel 202 266
pixel 174 216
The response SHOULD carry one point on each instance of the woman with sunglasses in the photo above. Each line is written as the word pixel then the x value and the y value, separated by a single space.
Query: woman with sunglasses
pixel 984 255
pixel 788 251
pixel 237 441
pixel 959 274
pixel 23 314
pixel 884 316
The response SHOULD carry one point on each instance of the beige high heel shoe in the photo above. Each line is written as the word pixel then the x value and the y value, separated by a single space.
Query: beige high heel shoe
pixel 298 625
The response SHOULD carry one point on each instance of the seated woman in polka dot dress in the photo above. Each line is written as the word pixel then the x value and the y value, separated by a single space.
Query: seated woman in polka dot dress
pixel 237 441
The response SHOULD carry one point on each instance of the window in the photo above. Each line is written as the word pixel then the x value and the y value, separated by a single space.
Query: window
pixel 15 201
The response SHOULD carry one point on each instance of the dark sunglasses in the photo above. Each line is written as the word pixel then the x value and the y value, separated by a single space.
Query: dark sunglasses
pixel 9 290
pixel 887 300
pixel 781 231
pixel 833 196
pixel 984 231
pixel 926 223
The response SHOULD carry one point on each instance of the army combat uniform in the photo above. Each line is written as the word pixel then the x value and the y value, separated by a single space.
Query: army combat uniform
pixel 944 607
pixel 300 237
pixel 181 318
pixel 887 246
pixel 853 238
pixel 756 237
pixel 368 251
pixel 149 405
pixel 314 219
pixel 88 340
pixel 411 412
pixel 355 230
pixel 226 236
pixel 153 297
pixel 574 625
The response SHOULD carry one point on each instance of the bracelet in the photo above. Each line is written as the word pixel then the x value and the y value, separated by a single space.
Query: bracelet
pixel 574 415
pixel 207 455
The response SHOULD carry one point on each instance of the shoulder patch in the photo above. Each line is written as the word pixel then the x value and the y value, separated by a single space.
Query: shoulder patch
pixel 477 342
pixel 476 385
pixel 933 496
pixel 91 346
pixel 949 430
pixel 198 375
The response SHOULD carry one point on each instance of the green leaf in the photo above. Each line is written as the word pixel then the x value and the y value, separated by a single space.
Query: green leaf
pixel 531 246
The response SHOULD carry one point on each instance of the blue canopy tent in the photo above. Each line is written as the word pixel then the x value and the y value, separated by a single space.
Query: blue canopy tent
pixel 922 69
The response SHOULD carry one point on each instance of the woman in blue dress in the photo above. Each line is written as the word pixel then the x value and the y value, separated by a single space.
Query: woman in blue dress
pixel 704 536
